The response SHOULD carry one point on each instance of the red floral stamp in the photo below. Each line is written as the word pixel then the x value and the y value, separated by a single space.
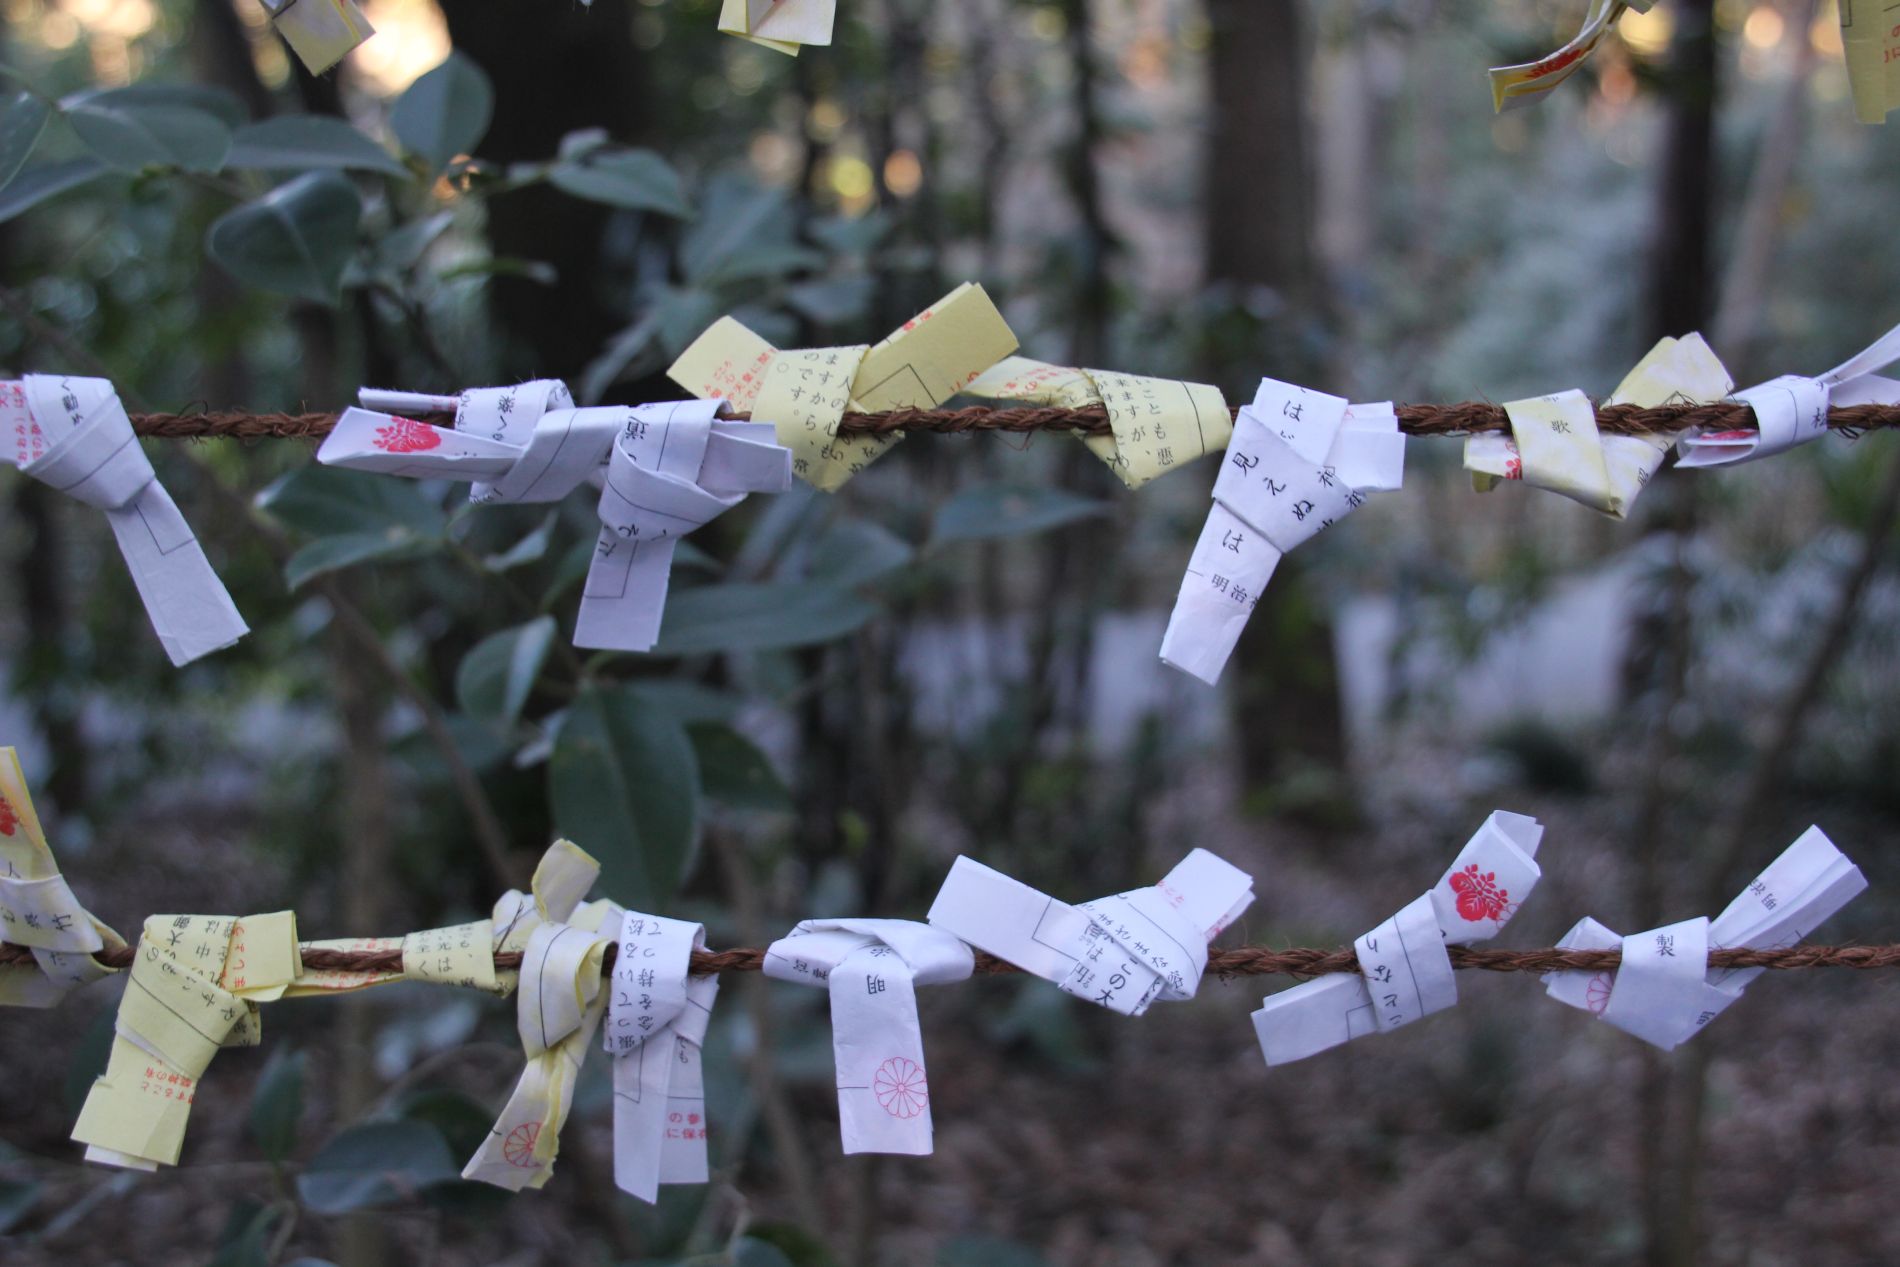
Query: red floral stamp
pixel 8 820
pixel 406 435
pixel 1596 996
pixel 1479 897
pixel 518 1148
pixel 900 1088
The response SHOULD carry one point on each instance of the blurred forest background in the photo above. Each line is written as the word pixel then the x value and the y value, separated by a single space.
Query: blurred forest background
pixel 851 690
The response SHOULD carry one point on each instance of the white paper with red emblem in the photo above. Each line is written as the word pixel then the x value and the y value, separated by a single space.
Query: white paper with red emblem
pixel 1665 992
pixel 1792 409
pixel 73 434
pixel 1404 970
pixel 1298 462
pixel 656 1026
pixel 663 470
pixel 872 968
pixel 1122 952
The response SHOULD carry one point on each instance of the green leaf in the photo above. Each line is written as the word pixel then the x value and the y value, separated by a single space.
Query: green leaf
pixel 17 1199
pixel 530 549
pixel 739 215
pixel 734 772
pixel 759 617
pixel 639 180
pixel 49 180
pixel 22 121
pixel 221 103
pixel 309 142
pixel 332 554
pixel 277 1104
pixel 132 135
pixel 833 302
pixel 378 1163
pixel 246 1238
pixel 990 511
pixel 328 501
pixel 849 552
pixel 294 240
pixel 988 1251
pixel 495 677
pixel 623 782
pixel 446 112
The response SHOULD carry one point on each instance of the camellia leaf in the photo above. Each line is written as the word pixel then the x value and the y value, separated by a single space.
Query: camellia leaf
pixel 308 142
pixel 294 240
pixel 445 113
pixel 277 1104
pixel 990 511
pixel 23 119
pixel 36 185
pixel 378 1163
pixel 639 180
pixel 495 677
pixel 624 783
pixel 132 135
pixel 733 772
pixel 759 617
pixel 333 554
pixel 327 501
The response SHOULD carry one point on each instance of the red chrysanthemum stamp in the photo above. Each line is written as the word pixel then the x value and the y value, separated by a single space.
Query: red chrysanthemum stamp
pixel 406 435
pixel 518 1148
pixel 8 820
pixel 1479 896
pixel 900 1088
pixel 1596 996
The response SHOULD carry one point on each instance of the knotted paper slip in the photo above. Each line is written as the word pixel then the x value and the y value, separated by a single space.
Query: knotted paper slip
pixel 656 1025
pixel 780 25
pixel 1792 410
pixel 1404 970
pixel 1122 952
pixel 1554 442
pixel 194 987
pixel 319 32
pixel 563 945
pixel 1665 992
pixel 806 392
pixel 72 434
pixel 1513 87
pixel 663 470
pixel 1158 424
pixel 872 968
pixel 1299 462
pixel 37 909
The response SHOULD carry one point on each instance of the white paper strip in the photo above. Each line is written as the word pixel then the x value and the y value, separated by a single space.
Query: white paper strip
pixel 656 1024
pixel 1665 991
pixel 1792 409
pixel 73 434
pixel 663 470
pixel 1122 952
pixel 871 968
pixel 1404 969
pixel 1298 462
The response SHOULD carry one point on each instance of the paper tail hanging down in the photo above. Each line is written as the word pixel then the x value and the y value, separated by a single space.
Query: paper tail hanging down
pixel 1665 992
pixel 784 26
pixel 1299 462
pixel 871 967
pixel 319 32
pixel 73 434
pixel 663 470
pixel 1404 971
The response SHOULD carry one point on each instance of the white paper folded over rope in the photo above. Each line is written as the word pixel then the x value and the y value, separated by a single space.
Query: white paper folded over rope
pixel 656 1025
pixel 1404 970
pixel 663 470
pixel 1298 462
pixel 1122 952
pixel 1792 409
pixel 1665 992
pixel 872 968
pixel 73 434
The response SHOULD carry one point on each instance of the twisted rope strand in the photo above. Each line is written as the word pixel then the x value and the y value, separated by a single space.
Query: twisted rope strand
pixel 1463 418
pixel 1243 961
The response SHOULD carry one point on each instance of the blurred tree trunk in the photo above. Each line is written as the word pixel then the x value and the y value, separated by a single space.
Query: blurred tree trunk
pixel 1260 251
pixel 557 68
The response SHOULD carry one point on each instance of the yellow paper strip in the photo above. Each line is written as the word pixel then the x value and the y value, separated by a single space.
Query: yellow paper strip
pixel 321 32
pixel 1870 39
